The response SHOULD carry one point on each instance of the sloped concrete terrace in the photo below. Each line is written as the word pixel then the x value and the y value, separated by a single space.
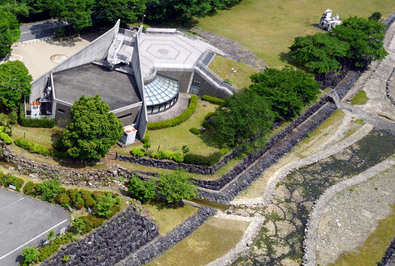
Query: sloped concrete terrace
pixel 115 88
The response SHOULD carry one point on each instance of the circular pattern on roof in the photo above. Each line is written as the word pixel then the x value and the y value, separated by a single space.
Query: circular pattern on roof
pixel 161 90
pixel 58 58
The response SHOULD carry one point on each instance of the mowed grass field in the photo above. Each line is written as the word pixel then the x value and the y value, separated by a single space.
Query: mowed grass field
pixel 268 28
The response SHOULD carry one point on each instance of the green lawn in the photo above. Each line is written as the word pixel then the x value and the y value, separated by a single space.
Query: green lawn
pixel 359 98
pixel 241 78
pixel 268 28
pixel 167 217
pixel 173 138
pixel 209 242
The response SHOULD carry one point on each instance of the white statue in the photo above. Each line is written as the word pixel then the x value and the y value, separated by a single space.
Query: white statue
pixel 327 22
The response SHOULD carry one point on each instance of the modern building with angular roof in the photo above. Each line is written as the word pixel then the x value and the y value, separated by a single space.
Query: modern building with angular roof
pixel 137 74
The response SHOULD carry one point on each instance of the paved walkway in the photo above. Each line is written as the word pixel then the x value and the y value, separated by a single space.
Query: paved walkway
pixel 176 110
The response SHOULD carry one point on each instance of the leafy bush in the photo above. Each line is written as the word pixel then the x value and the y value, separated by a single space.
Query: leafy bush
pixel 146 138
pixel 162 155
pixel 375 16
pixel 31 122
pixel 92 221
pixel 176 120
pixel 76 198
pixel 211 160
pixel 30 256
pixel 104 204
pixel 2 128
pixel 48 190
pixel 178 157
pixel 29 189
pixel 63 199
pixel 32 147
pixel 141 190
pixel 97 194
pixel 13 117
pixel 11 180
pixel 208 115
pixel 7 140
pixel 138 152
pixel 88 199
pixel 50 249
pixel 176 186
pixel 212 99
pixel 195 131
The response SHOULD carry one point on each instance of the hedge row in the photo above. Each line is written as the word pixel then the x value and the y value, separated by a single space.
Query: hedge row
pixel 160 155
pixel 176 120
pixel 32 147
pixel 7 139
pixel 31 122
pixel 72 197
pixel 212 99
pixel 210 160
pixel 48 250
pixel 6 180
pixel 195 131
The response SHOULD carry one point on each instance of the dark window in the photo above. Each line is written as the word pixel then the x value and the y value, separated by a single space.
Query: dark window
pixel 61 111
pixel 123 116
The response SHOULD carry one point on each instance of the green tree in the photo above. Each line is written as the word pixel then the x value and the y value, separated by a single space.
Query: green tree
pixel 143 191
pixel 104 205
pixel 128 11
pixel 77 13
pixel 92 129
pixel 48 190
pixel 176 186
pixel 9 32
pixel 17 8
pixel 319 53
pixel 185 149
pixel 30 255
pixel 14 83
pixel 184 11
pixel 240 118
pixel 287 90
pixel 365 37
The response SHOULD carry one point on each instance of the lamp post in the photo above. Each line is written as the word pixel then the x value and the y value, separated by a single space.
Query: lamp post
pixel 142 20
pixel 231 72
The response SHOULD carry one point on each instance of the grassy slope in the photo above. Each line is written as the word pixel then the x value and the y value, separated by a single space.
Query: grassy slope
pixel 241 79
pixel 210 241
pixel 268 28
pixel 173 138
pixel 168 218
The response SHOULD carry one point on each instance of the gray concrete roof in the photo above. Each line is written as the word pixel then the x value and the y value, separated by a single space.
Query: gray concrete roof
pixel 115 88
pixel 166 50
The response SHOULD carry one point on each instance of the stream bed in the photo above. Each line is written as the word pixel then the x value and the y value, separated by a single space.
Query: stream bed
pixel 280 240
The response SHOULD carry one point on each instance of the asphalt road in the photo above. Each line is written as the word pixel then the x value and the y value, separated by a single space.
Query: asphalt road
pixel 25 222
pixel 39 30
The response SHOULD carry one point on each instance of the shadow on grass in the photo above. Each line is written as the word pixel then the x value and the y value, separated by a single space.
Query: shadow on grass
pixel 161 204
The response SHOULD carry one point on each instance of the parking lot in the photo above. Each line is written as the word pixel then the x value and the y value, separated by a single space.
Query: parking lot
pixel 25 222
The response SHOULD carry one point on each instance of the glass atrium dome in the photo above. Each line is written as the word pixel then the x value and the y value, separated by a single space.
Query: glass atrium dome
pixel 161 94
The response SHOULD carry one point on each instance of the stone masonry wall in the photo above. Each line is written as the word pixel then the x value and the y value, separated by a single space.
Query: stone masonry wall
pixel 112 242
